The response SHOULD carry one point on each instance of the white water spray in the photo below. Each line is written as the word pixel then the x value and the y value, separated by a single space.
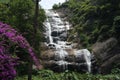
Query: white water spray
pixel 55 26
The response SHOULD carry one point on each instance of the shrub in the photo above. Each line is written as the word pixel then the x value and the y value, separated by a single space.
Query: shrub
pixel 7 62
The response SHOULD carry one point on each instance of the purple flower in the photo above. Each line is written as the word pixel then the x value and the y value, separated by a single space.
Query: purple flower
pixel 14 36
pixel 7 63
pixel 2 49
pixel 9 34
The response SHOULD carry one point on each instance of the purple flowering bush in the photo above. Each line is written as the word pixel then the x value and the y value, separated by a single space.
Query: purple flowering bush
pixel 7 62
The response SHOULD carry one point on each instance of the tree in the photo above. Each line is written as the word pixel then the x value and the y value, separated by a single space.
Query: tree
pixel 35 26
pixel 23 16
pixel 10 37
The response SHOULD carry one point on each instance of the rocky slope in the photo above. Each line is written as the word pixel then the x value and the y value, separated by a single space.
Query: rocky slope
pixel 102 43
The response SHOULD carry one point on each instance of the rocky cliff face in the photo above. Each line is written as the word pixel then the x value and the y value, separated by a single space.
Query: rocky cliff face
pixel 107 54
pixel 58 53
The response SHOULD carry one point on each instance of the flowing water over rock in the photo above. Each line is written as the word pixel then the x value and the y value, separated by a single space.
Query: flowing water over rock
pixel 60 53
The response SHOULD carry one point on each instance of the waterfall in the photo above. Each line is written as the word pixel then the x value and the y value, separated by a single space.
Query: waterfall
pixel 56 32
pixel 49 31
pixel 87 56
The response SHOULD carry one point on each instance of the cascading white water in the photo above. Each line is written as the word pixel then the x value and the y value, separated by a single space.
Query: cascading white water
pixel 56 32
pixel 49 31
pixel 87 56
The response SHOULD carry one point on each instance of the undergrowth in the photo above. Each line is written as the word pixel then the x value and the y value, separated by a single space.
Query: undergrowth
pixel 68 75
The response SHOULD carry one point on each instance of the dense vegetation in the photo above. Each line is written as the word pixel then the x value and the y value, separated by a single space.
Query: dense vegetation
pixel 93 20
pixel 68 75
pixel 9 38
pixel 20 15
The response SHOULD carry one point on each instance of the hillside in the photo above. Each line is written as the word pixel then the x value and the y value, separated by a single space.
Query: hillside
pixel 96 26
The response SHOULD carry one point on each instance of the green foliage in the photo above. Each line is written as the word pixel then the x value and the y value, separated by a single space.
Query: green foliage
pixel 20 15
pixel 3 12
pixel 116 69
pixel 55 6
pixel 68 75
pixel 117 18
pixel 96 19
pixel 4 1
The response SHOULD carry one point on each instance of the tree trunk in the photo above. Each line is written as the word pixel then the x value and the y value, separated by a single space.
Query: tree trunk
pixel 30 69
pixel 35 26
pixel 36 17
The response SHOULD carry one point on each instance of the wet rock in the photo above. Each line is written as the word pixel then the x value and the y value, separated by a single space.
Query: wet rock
pixel 63 36
pixel 74 45
pixel 55 39
pixel 80 59
pixel 55 33
pixel 70 58
pixel 60 56
pixel 48 54
pixel 60 67
pixel 51 46
pixel 43 46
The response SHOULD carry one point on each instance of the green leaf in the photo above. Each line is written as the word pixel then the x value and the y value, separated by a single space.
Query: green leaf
pixel 4 1
pixel 117 18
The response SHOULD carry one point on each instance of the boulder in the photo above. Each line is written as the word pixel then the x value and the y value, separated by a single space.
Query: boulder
pixel 107 53
pixel 48 54
pixel 63 36
pixel 106 66
pixel 60 67
pixel 101 49
pixel 43 46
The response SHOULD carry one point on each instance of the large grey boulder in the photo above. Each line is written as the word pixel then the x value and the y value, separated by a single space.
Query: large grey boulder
pixel 101 49
pixel 107 53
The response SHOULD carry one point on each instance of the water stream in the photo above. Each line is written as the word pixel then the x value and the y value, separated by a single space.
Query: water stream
pixel 56 34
